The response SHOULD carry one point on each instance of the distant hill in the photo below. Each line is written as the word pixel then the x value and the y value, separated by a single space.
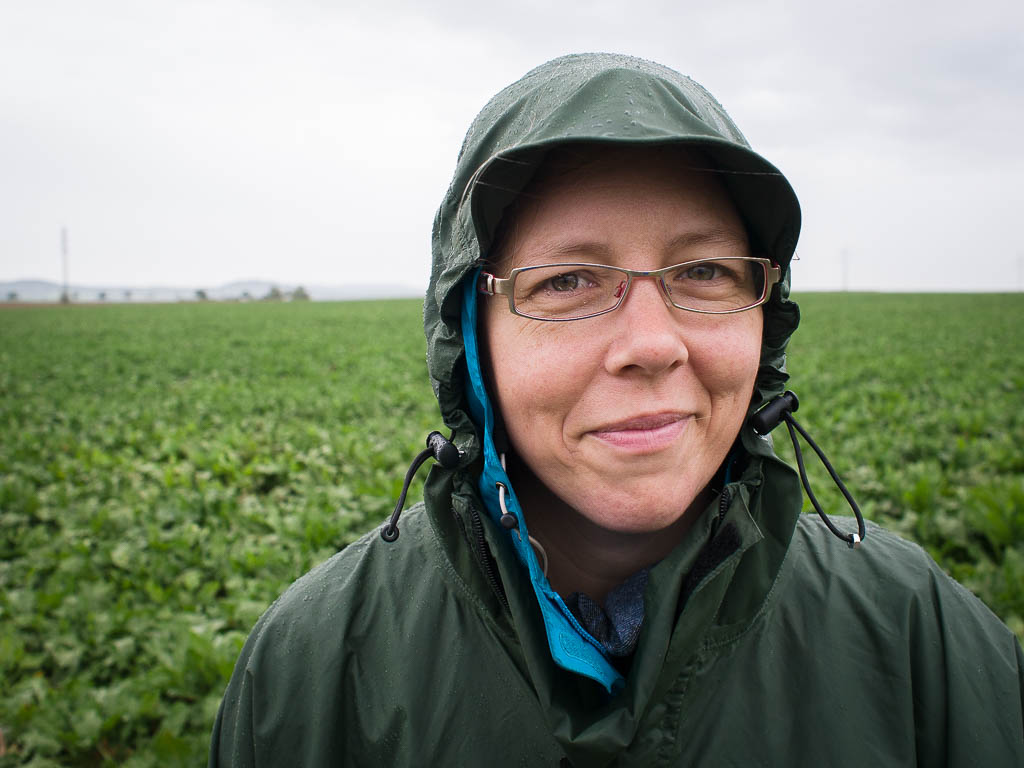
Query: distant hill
pixel 39 291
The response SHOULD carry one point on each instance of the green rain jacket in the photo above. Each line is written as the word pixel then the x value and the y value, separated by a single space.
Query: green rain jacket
pixel 766 642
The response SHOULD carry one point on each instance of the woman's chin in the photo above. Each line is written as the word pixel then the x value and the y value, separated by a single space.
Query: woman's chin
pixel 632 513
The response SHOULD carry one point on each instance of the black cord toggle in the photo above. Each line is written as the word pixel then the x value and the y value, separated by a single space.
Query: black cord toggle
pixel 781 409
pixel 444 452
pixel 769 417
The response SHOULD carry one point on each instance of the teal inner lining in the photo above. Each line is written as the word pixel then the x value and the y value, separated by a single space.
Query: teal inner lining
pixel 572 647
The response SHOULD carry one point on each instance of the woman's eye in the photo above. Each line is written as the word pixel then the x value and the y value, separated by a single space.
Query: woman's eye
pixel 701 272
pixel 567 282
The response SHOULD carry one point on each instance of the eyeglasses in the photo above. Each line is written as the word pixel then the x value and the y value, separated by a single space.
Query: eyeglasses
pixel 559 292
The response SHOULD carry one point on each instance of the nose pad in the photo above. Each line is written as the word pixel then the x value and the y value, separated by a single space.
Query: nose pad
pixel 625 286
pixel 666 292
pixel 663 289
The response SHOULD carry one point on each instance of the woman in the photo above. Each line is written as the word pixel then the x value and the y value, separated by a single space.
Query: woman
pixel 612 569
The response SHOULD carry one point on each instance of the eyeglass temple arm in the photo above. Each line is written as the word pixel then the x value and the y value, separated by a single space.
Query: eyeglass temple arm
pixel 490 285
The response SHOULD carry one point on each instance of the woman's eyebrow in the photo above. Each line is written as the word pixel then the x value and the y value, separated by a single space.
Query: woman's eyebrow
pixel 569 248
pixel 715 236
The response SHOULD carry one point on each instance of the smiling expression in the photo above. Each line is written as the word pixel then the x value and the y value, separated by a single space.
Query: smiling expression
pixel 622 419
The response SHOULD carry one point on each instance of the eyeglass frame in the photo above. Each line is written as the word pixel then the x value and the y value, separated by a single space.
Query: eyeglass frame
pixel 489 285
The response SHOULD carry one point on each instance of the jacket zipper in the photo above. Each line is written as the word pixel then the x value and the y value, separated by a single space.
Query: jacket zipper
pixel 485 558
pixel 723 505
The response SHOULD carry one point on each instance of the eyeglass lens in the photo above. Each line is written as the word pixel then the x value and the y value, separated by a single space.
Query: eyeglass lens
pixel 572 291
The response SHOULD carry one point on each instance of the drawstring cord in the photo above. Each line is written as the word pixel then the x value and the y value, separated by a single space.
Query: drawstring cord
pixel 444 452
pixel 448 456
pixel 781 409
pixel 509 522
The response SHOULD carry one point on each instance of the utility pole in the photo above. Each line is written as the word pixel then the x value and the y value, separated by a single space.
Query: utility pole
pixel 65 296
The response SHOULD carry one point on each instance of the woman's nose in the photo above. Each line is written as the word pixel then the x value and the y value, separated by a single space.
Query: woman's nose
pixel 647 331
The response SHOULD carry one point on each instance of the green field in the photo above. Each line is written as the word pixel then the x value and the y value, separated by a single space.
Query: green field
pixel 166 471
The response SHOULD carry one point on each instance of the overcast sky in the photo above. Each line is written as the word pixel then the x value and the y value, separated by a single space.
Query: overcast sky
pixel 308 141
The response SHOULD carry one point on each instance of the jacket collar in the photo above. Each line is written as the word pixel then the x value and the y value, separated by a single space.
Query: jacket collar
pixel 706 595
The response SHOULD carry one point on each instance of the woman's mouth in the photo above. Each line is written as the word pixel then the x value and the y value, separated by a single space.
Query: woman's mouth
pixel 644 434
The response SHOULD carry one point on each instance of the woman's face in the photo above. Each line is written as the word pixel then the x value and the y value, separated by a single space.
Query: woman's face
pixel 624 417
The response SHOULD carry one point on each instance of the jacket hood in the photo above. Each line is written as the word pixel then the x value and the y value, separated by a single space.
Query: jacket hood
pixel 592 98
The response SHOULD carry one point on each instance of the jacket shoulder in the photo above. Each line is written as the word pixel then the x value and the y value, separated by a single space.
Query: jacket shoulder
pixel 883 565
pixel 909 643
pixel 348 661
pixel 294 660
pixel 891 579
pixel 370 589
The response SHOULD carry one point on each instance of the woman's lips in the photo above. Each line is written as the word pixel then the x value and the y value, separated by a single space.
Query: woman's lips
pixel 644 434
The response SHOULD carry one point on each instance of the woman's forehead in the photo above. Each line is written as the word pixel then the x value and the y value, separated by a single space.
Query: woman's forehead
pixel 581 201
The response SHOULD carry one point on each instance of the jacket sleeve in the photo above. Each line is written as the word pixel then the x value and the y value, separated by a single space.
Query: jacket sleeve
pixel 286 703
pixel 232 744
pixel 270 699
pixel 968 671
